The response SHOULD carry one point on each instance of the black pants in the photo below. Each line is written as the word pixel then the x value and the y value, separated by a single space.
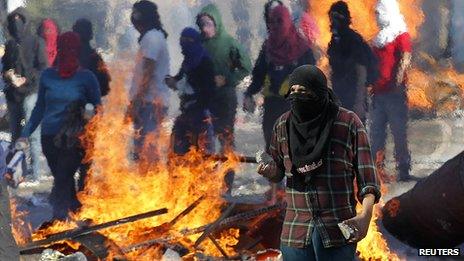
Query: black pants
pixel 274 107
pixel 193 128
pixel 63 163
pixel 223 108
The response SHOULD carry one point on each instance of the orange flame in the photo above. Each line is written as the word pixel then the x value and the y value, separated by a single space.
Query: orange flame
pixel 116 187
pixel 363 17
pixel 20 228
pixel 440 89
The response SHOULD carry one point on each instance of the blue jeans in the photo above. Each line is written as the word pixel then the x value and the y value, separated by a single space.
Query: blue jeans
pixel 19 111
pixel 147 117
pixel 315 251
pixel 392 109
pixel 39 163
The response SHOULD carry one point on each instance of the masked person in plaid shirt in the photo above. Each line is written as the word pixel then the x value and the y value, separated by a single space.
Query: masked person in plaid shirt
pixel 322 149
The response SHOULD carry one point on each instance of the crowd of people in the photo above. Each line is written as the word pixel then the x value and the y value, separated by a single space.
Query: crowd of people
pixel 314 136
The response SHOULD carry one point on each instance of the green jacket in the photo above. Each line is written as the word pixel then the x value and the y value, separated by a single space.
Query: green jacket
pixel 229 57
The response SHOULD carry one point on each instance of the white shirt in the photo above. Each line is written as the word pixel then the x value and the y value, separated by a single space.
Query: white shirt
pixel 152 46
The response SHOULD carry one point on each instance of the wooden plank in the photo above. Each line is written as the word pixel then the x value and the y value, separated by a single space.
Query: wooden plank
pixel 70 234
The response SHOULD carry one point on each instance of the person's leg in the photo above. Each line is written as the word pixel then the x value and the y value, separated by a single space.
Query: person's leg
pixel 225 131
pixel 181 142
pixel 206 137
pixel 378 128
pixel 378 134
pixel 398 118
pixel 345 253
pixel 223 109
pixel 8 247
pixel 39 164
pixel 15 116
pixel 69 162
pixel 298 254
pixel 139 139
pixel 146 123
pixel 51 154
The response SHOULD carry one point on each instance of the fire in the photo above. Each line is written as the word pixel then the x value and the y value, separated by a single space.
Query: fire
pixel 20 228
pixel 117 188
pixel 438 89
pixel 374 246
pixel 226 240
pixel 363 17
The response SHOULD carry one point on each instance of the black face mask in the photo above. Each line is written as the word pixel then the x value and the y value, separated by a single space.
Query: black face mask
pixel 338 25
pixel 306 107
pixel 19 28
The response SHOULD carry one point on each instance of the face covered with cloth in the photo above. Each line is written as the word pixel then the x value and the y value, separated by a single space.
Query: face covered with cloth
pixel 313 111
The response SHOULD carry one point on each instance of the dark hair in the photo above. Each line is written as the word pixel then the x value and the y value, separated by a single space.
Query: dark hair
pixel 267 9
pixel 342 8
pixel 150 18
pixel 84 28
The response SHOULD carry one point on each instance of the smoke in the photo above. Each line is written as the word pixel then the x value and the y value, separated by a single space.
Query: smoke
pixel 13 4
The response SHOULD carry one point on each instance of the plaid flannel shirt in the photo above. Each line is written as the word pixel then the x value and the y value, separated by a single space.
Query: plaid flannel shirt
pixel 328 196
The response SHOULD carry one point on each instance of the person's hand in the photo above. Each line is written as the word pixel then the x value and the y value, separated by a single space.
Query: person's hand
pixel 220 80
pixel 360 225
pixel 18 81
pixel 262 168
pixel 249 104
pixel 171 82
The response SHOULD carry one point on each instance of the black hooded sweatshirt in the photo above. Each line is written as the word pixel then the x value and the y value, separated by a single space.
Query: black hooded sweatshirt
pixel 23 54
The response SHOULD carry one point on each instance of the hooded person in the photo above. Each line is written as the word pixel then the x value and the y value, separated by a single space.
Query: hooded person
pixel 392 48
pixel 89 58
pixel 320 148
pixel 48 32
pixel 62 89
pixel 283 51
pixel 231 65
pixel 194 83
pixel 352 61
pixel 23 61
